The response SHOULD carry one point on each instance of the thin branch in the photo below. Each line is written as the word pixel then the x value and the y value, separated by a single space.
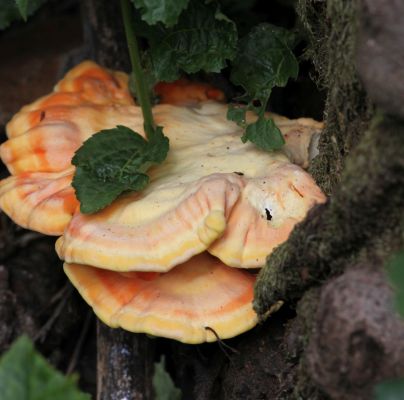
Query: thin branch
pixel 41 334
pixel 77 350
pixel 223 346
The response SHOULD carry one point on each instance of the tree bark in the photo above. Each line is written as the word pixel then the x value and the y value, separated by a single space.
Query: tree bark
pixel 124 365
pixel 104 36
pixel 356 341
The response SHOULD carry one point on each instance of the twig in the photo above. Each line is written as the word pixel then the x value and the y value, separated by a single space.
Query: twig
pixel 223 346
pixel 45 328
pixel 79 344
pixel 59 294
pixel 27 238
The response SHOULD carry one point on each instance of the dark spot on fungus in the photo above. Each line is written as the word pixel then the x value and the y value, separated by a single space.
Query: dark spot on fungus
pixel 42 116
pixel 268 214
pixel 238 173
pixel 293 187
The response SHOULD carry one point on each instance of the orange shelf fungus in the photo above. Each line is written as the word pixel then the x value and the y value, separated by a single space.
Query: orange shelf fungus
pixel 185 92
pixel 182 304
pixel 172 260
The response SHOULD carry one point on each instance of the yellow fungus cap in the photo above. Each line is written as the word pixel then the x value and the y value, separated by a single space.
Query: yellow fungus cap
pixel 269 207
pixel 143 262
pixel 153 231
pixel 43 202
pixel 185 304
pixel 211 185
pixel 211 193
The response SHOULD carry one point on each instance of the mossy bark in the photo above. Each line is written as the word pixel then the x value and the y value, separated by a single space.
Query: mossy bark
pixel 368 202
pixel 341 344
pixel 331 27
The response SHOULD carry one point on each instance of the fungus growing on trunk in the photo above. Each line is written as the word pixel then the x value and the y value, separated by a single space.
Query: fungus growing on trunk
pixel 143 262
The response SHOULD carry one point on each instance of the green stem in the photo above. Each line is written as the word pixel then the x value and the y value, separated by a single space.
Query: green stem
pixel 139 79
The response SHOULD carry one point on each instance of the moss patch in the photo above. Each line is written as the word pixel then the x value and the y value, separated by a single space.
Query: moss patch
pixel 331 28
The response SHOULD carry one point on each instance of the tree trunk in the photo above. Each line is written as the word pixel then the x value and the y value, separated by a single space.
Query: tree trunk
pixel 104 36
pixel 283 358
pixel 124 364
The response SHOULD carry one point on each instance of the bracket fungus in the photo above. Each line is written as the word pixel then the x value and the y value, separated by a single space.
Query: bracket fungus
pixel 173 259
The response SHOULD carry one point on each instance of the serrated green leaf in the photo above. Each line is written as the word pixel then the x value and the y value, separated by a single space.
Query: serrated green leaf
pixel 264 60
pixel 26 375
pixel 264 134
pixel 14 10
pixel 163 385
pixel 395 270
pixel 22 8
pixel 95 194
pixel 237 114
pixel 202 40
pixel 28 7
pixel 390 390
pixel 114 161
pixel 165 11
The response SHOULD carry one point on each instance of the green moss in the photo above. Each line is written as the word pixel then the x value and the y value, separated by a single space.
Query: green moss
pixel 331 28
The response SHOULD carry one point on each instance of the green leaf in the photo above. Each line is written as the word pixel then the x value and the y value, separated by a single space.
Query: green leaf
pixel 114 161
pixel 165 11
pixel 202 40
pixel 237 114
pixel 390 390
pixel 8 13
pixel 264 134
pixel 26 375
pixel 395 270
pixel 14 10
pixel 28 7
pixel 264 60
pixel 243 13
pixel 23 8
pixel 95 193
pixel 164 388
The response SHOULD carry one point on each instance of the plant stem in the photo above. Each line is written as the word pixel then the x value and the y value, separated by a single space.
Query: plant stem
pixel 139 79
